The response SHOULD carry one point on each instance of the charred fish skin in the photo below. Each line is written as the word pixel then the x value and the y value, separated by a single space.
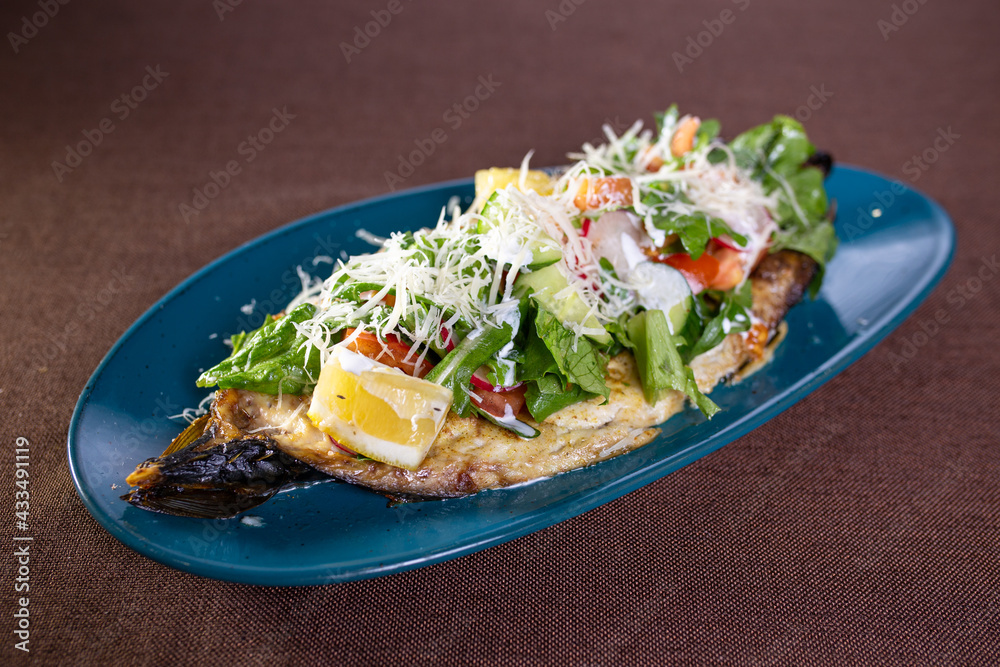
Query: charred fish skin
pixel 215 480
pixel 779 282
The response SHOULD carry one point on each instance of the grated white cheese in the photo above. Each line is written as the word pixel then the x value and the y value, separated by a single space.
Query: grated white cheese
pixel 463 270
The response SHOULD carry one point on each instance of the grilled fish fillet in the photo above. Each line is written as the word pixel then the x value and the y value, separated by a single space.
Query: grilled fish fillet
pixel 472 454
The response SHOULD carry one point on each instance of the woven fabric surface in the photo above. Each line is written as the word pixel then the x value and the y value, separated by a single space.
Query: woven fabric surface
pixel 862 526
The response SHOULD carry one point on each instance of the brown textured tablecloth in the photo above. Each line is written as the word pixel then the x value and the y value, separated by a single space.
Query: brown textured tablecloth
pixel 859 527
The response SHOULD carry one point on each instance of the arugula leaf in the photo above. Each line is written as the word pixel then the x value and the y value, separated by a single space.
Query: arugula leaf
pixel 694 230
pixel 732 316
pixel 776 153
pixel 274 358
pixel 666 120
pixel 659 362
pixel 456 369
pixel 577 358
pixel 810 197
pixel 708 130
pixel 819 242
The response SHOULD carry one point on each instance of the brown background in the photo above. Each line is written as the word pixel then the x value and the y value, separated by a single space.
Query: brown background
pixel 859 527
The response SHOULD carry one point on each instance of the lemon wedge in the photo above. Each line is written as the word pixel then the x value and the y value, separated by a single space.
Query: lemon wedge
pixel 490 180
pixel 378 411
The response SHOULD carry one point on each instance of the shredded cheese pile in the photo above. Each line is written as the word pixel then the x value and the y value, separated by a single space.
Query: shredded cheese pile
pixel 463 270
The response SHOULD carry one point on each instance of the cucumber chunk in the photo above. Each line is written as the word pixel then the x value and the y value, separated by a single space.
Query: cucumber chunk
pixel 544 284
pixel 545 251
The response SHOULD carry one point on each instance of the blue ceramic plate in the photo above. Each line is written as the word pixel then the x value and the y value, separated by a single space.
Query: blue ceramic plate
pixel 896 245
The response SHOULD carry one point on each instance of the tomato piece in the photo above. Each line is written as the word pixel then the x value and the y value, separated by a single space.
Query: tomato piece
pixel 683 139
pixel 388 299
pixel 496 403
pixel 655 162
pixel 700 273
pixel 604 191
pixel 392 354
pixel 730 269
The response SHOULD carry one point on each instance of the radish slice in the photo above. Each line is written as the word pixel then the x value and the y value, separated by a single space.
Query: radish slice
pixel 341 447
pixel 727 242
pixel 447 339
pixel 610 235
pixel 480 382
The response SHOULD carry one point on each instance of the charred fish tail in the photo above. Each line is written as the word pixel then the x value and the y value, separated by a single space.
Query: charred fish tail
pixel 208 480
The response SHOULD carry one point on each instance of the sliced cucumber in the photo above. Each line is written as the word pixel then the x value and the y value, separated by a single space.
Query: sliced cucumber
pixel 514 424
pixel 545 251
pixel 662 287
pixel 544 284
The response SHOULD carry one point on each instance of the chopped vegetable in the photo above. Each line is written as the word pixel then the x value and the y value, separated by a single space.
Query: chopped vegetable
pixel 275 358
pixel 378 411
pixel 659 362
pixel 645 243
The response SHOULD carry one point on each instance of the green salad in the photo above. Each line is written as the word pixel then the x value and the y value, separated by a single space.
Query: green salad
pixel 644 244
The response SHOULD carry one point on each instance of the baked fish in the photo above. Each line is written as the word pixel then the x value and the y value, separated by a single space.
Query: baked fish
pixel 552 325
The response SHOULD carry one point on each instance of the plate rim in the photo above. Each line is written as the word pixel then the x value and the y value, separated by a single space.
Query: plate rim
pixel 571 506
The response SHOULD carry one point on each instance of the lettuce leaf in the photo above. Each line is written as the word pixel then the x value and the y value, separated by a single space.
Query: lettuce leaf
pixel 577 359
pixel 548 388
pixel 274 358
pixel 776 154
pixel 732 316
pixel 659 362
pixel 550 394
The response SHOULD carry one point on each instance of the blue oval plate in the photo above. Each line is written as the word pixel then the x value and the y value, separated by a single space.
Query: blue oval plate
pixel 896 245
